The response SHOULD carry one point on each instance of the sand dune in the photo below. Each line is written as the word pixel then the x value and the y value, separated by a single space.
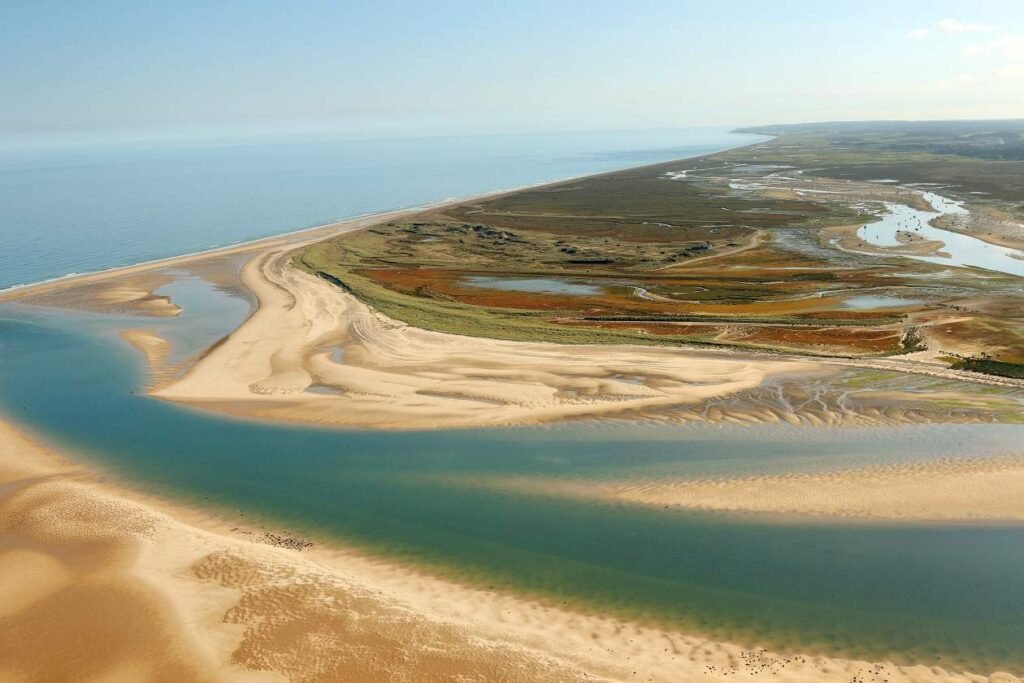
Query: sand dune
pixel 99 584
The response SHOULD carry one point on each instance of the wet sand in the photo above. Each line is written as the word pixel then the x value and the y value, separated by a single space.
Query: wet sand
pixel 100 583
pixel 845 237
pixel 983 489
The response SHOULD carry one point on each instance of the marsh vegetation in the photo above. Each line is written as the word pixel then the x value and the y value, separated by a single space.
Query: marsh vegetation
pixel 755 247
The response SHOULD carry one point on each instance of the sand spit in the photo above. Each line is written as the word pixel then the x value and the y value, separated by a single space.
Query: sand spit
pixel 121 290
pixel 98 583
pixel 947 490
pixel 130 294
pixel 154 347
pixel 314 353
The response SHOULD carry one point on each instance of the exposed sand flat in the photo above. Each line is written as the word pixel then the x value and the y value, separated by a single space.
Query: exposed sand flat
pixel 120 287
pixel 94 586
pixel 131 293
pixel 394 375
pixel 100 584
pixel 987 223
pixel 845 237
pixel 984 489
pixel 150 345
pixel 964 490
pixel 73 606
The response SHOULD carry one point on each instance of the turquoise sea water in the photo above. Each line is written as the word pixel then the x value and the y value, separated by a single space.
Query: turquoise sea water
pixel 915 592
pixel 82 209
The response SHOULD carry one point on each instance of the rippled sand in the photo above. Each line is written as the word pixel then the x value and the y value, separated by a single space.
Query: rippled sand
pixel 978 489
pixel 97 583
pixel 394 375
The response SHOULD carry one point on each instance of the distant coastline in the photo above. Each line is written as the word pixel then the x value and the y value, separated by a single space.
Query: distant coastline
pixel 321 226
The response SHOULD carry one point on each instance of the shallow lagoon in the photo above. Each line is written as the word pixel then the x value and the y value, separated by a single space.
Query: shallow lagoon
pixel 957 249
pixel 872 590
pixel 533 285
pixel 869 301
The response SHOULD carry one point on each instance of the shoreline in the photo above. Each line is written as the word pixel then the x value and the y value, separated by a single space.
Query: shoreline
pixel 18 291
pixel 230 602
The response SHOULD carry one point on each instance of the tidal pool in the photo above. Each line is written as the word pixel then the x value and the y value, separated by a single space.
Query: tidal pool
pixel 878 301
pixel 535 285
pixel 206 315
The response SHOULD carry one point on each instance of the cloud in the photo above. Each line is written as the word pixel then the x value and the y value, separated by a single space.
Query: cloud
pixel 954 83
pixel 954 26
pixel 1002 66
pixel 1012 73
pixel 1008 46
pixel 949 26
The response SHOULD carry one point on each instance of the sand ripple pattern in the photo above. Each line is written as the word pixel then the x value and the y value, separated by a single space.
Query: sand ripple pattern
pixel 283 363
pixel 98 584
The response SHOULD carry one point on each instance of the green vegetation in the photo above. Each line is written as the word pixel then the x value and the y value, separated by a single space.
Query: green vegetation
pixel 447 316
pixel 970 156
pixel 988 366
pixel 736 248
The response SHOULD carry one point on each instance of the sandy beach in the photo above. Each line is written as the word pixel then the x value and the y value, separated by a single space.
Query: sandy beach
pixel 313 353
pixel 396 376
pixel 131 287
pixel 99 583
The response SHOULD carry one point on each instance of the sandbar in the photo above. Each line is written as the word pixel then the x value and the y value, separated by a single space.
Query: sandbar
pixel 101 583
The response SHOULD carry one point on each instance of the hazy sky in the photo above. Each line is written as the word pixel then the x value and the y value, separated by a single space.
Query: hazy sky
pixel 111 67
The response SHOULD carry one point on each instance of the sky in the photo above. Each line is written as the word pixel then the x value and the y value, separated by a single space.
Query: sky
pixel 109 68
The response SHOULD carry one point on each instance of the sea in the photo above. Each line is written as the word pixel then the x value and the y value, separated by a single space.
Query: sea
pixel 77 209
